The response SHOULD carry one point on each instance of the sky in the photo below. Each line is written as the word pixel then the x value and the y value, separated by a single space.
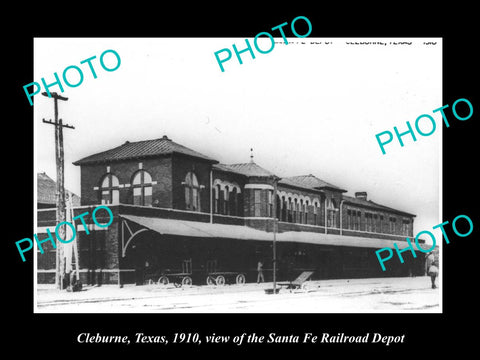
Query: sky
pixel 305 108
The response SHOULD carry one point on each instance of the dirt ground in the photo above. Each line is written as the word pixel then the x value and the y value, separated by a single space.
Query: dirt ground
pixel 392 295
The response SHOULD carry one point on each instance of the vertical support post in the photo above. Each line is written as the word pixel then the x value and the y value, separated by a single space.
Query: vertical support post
pixel 341 217
pixel 120 258
pixel 211 195
pixel 326 217
pixel 275 236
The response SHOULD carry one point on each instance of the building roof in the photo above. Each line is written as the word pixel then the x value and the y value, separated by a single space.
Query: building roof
pixel 47 189
pixel 308 182
pixel 142 149
pixel 371 204
pixel 225 168
pixel 247 169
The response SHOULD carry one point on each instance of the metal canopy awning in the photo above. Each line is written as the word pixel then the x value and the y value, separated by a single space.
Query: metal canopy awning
pixel 240 232
pixel 199 229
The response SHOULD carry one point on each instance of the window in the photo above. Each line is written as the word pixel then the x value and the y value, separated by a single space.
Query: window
pixel 142 188
pixel 216 203
pixel 233 199
pixel 301 212
pixel 284 208
pixel 256 202
pixel 405 227
pixel 353 219
pixel 375 223
pixel 192 192
pixel 331 213
pixel 315 213
pixel 226 199
pixel 357 216
pixel 278 208
pixel 393 225
pixel 370 222
pixel 290 210
pixel 305 217
pixel 109 190
pixel 270 203
pixel 295 210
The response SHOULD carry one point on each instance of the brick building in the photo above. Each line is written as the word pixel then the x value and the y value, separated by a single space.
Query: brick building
pixel 46 193
pixel 171 203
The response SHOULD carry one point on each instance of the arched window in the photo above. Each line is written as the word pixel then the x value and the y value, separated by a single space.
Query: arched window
pixel 295 210
pixel 301 211
pixel 238 201
pixel 306 212
pixel 284 208
pixel 233 198
pixel 226 199
pixel 290 210
pixel 192 192
pixel 331 213
pixel 142 188
pixel 109 190
pixel 315 213
pixel 217 191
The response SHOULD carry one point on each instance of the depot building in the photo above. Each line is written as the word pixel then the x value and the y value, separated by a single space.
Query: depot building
pixel 173 205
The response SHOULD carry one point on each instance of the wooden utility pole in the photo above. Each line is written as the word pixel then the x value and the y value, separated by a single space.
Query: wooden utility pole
pixel 60 195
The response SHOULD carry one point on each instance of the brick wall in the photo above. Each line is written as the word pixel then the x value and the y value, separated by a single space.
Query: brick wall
pixel 159 168
pixel 98 251
pixel 312 195
pixel 284 226
pixel 181 165
pixel 380 226
pixel 230 178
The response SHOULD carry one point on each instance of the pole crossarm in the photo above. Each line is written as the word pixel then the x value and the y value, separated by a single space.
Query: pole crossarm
pixel 58 123
pixel 55 96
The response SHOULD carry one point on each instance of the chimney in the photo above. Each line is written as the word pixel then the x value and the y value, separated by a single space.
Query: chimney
pixel 361 195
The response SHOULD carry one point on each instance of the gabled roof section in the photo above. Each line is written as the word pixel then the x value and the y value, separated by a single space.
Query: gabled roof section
pixel 371 204
pixel 225 168
pixel 47 189
pixel 309 182
pixel 142 149
pixel 248 169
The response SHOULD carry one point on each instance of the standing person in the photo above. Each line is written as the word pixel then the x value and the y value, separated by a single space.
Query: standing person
pixel 260 277
pixel 431 265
